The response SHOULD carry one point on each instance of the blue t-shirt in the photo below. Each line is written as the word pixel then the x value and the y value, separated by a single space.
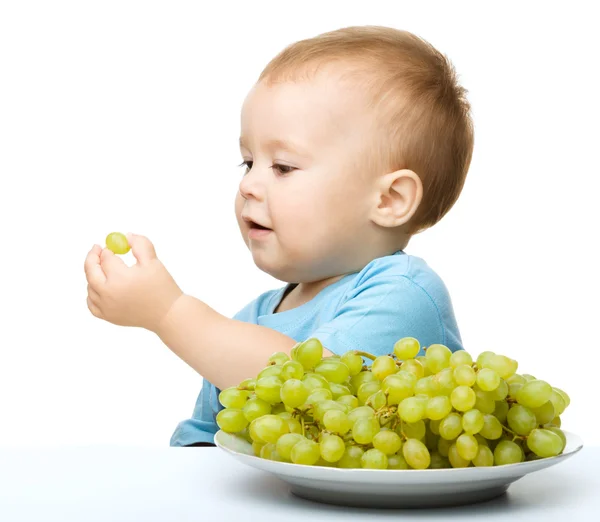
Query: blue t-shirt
pixel 392 297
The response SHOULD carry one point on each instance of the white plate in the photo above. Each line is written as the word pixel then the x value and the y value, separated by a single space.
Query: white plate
pixel 394 488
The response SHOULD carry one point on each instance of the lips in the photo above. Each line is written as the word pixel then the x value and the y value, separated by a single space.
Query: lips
pixel 254 224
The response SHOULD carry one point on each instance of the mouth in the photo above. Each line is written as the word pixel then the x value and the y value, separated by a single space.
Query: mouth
pixel 253 225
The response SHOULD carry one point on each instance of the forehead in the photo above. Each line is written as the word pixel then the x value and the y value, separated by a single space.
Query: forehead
pixel 315 112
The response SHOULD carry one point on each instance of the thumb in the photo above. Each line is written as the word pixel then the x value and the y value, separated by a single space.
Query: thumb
pixel 141 247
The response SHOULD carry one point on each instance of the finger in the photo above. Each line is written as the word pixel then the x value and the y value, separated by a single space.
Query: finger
pixel 93 295
pixel 111 263
pixel 92 268
pixel 142 248
pixel 94 309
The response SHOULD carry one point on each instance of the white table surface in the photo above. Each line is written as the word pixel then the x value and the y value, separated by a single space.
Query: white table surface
pixel 114 484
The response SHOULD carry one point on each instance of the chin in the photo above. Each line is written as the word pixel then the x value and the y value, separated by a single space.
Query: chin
pixel 270 266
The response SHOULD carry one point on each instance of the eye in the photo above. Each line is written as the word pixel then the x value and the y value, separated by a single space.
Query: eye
pixel 247 164
pixel 283 169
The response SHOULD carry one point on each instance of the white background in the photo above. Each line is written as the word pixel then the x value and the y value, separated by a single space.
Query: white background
pixel 125 116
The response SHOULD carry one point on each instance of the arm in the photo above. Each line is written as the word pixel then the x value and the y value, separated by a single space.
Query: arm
pixel 225 351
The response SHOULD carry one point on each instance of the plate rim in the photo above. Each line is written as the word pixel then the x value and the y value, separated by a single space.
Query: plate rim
pixel 524 466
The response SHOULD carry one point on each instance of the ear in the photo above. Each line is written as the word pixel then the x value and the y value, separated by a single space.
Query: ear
pixel 399 194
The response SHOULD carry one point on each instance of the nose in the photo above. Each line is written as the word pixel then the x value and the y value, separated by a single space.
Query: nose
pixel 252 186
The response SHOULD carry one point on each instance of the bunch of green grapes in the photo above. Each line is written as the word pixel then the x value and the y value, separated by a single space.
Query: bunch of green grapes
pixel 400 411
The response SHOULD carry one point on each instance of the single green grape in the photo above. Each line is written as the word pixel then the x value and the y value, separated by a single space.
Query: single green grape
pixel 484 457
pixel 413 366
pixel 377 400
pixel 564 395
pixel 336 421
pixel 534 393
pixel 558 401
pixel 492 429
pixel 545 443
pixel 451 426
pixel 472 422
pixel 444 446
pixel 306 452
pixel 353 361
pixel 269 371
pixel 349 400
pixel 561 434
pixel 487 380
pixel 427 386
pixel 516 379
pixel 463 398
pixel 234 398
pixel 269 428
pixel 117 243
pixel 362 412
pixel 501 392
pixel 338 390
pixel 279 358
pixel 294 425
pixel 466 446
pixel 438 407
pixel 333 370
pixel 256 447
pixel 438 357
pixel 291 370
pixel 412 409
pixel 293 393
pixel 483 358
pixel 314 381
pixel 365 429
pixel 507 452
pixel 502 365
pixel 269 452
pixel 407 348
pixel 545 413
pixel 445 382
pixel 255 408
pixel 414 430
pixel 434 426
pixel 247 384
pixel 501 411
pixel 352 458
pixel 309 353
pixel 366 390
pixel 231 420
pixel 388 441
pixel 397 388
pixel 383 366
pixel 484 402
pixel 416 454
pixel 397 462
pixel 464 375
pixel 332 448
pixel 269 389
pixel 374 459
pixel 456 461
pixel 459 358
pixel 316 396
pixel 521 419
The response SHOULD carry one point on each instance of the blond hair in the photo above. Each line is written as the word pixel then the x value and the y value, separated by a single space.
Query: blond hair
pixel 422 112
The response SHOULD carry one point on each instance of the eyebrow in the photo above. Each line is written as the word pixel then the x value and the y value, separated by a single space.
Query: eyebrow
pixel 277 144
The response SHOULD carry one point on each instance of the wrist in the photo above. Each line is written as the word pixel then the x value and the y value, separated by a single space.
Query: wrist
pixel 169 318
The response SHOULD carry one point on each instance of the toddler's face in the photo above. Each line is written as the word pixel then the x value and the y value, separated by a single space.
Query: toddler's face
pixel 303 143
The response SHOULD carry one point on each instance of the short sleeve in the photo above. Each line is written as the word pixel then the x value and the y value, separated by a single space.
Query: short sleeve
pixel 379 312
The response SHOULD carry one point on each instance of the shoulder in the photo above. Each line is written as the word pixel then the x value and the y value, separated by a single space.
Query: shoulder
pixel 404 270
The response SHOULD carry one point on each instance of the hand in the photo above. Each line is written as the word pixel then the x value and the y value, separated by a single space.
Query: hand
pixel 140 295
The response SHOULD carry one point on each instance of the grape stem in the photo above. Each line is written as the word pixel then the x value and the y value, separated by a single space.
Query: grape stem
pixel 515 435
pixel 365 354
pixel 302 422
